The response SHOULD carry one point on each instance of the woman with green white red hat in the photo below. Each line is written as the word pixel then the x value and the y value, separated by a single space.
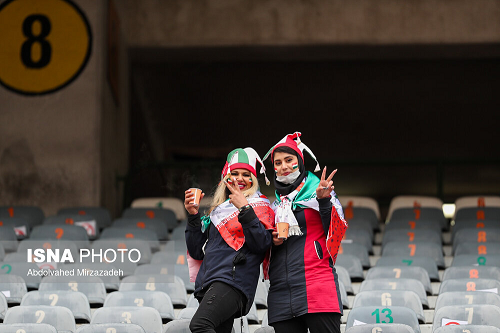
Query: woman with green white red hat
pixel 304 291
pixel 229 244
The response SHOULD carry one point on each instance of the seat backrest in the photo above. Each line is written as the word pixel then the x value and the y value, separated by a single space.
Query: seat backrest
pixel 359 236
pixel 475 314
pixel 3 305
pixel 490 285
pixel 413 225
pixel 476 201
pixel 110 328
pixel 8 238
pixel 156 225
pixel 478 213
pixel 164 214
pixel 416 249
pixel 416 214
pixel 178 326
pixel 396 284
pixel 475 260
pixel 110 279
pixel 155 299
pixel 28 328
pixel 174 204
pixel 148 318
pixel 61 232
pixel 88 222
pixel 467 328
pixel 427 263
pixel 357 250
pixel 477 248
pixel 133 245
pixel 380 328
pixel 32 214
pixel 401 272
pixel 343 276
pixel 361 202
pixel 76 301
pixel 13 287
pixel 353 266
pixel 24 270
pixel 91 286
pixel 58 316
pixel 20 225
pixel 172 285
pixel 186 313
pixel 466 297
pixel 472 272
pixel 413 201
pixel 147 236
pixel 101 215
pixel 473 223
pixel 382 315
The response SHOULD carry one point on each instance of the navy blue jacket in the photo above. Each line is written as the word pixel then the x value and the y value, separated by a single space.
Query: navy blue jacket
pixel 240 269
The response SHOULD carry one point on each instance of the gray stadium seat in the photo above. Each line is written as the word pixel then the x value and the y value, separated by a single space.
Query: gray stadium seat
pixel 156 225
pixel 110 328
pixel 61 232
pixel 361 224
pixel 172 285
pixel 390 298
pixel 253 316
pixel 476 260
pixel 77 302
pixel 401 272
pixel 416 249
pixel 155 299
pixel 181 269
pixel 27 328
pixel 186 313
pixel 475 314
pixel 20 225
pixel 426 263
pixel 466 298
pixel 3 306
pixel 265 321
pixel 467 329
pixel 91 286
pixel 13 288
pixel 478 236
pixel 420 213
pixel 260 299
pixel 163 214
pixel 8 238
pixel 15 257
pixel 128 267
pixel 353 266
pixel 469 285
pixel 415 235
pixel 413 225
pixel 267 329
pixel 147 236
pixel 481 224
pixel 361 214
pixel 380 328
pixel 148 318
pixel 58 316
pixel 178 326
pixel 356 250
pixel 477 248
pixel 174 204
pixel 478 213
pixel 32 214
pixel 88 222
pixel 397 284
pixel 238 327
pixel 359 236
pixel 343 296
pixel 192 302
pixel 383 315
pixel 343 275
pixel 22 269
pixel 111 282
pixel 474 272
pixel 179 232
pixel 100 214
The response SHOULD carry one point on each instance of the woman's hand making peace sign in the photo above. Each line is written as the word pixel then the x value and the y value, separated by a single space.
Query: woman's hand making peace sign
pixel 236 197
pixel 325 186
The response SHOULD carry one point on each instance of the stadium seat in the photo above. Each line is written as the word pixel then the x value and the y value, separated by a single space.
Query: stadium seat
pixel 413 201
pixel 359 236
pixel 147 236
pixel 412 235
pixel 76 301
pixel 380 328
pixel 466 297
pixel 426 263
pixel 343 276
pixel 475 314
pixel 58 316
pixel 467 329
pixel 417 214
pixel 416 249
pixel 382 315
pixel 174 204
pixel 405 298
pixel 360 202
pixel 111 281
pixel 172 268
pixel 148 318
pixel 357 250
pixel 179 232
pixel 472 272
pixel 91 286
pixel 61 232
pixel 86 221
pixel 401 272
pixel 22 269
pixel 253 316
pixel 353 266
pixel 13 287
pixel 343 296
pixel 265 321
pixel 100 214
pixel 355 214
pixel 166 215
pixel 20 226
pixel 478 213
pixel 192 302
pixel 476 235
pixel 110 328
pixel 3 306
pixel 462 224
pixel 477 248
pixel 32 214
pixel 155 299
pixel 470 285
pixel 8 239
pixel 363 225
pixel 476 260
pixel 397 284
pixel 28 328
pixel 186 313
pixel 260 298
pixel 267 329
pixel 172 285
pixel 241 325
pixel 115 244
pixel 156 225
pixel 413 225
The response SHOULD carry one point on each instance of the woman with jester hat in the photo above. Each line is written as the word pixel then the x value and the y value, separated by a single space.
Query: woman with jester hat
pixel 231 241
pixel 304 290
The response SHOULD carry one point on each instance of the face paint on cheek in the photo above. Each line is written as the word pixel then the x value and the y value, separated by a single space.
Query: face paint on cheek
pixel 230 180
pixel 250 181
pixel 295 166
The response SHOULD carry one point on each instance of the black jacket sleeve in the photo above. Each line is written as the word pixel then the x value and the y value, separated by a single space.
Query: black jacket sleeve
pixel 195 239
pixel 325 211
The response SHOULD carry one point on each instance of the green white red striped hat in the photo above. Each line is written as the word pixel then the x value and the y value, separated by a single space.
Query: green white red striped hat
pixel 244 159
pixel 293 141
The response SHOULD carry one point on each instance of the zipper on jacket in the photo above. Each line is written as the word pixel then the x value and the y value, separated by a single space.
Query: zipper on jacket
pixel 234 270
pixel 287 280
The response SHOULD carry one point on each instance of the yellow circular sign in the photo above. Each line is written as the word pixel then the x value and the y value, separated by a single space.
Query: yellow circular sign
pixel 45 45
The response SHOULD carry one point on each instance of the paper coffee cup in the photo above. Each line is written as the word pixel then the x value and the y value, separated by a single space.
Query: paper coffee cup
pixel 282 230
pixel 197 196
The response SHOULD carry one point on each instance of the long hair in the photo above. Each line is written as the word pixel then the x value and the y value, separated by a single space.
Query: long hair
pixel 222 193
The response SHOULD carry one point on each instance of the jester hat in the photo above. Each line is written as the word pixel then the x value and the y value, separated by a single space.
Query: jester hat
pixel 243 159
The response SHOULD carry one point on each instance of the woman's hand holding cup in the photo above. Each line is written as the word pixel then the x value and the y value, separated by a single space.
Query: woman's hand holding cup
pixel 192 199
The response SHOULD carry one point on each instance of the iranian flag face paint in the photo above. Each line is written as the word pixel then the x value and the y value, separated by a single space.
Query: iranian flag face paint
pixel 295 166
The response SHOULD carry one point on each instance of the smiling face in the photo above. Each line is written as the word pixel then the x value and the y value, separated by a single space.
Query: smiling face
pixel 243 178
pixel 285 163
